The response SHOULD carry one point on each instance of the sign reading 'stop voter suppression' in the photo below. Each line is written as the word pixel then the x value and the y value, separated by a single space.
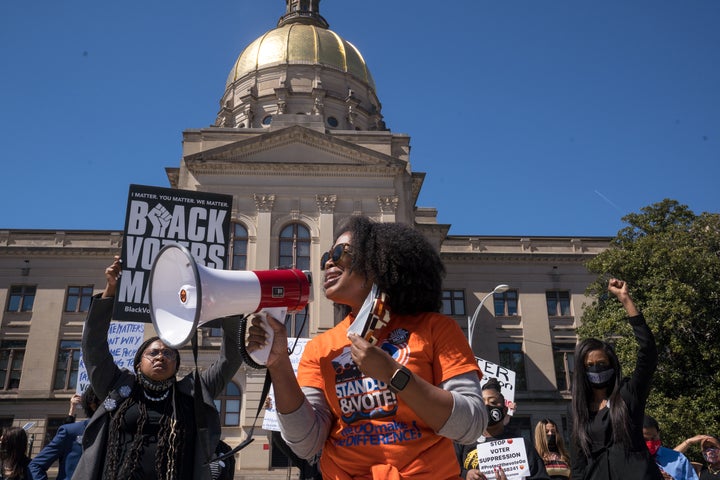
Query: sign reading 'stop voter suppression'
pixel 157 217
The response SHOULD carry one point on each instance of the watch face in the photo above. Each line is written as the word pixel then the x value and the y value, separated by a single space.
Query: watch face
pixel 400 379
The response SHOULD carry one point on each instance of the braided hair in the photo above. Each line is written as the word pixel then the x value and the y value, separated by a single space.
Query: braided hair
pixel 121 461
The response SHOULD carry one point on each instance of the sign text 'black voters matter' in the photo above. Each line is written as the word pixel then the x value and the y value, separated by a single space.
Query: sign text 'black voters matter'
pixel 156 217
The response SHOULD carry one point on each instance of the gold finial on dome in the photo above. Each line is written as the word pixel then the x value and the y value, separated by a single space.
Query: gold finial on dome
pixel 303 11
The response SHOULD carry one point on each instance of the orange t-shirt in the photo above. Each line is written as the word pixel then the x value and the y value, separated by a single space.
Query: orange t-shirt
pixel 374 432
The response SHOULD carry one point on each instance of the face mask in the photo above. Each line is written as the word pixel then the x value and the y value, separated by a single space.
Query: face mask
pixel 495 415
pixel 600 376
pixel 552 441
pixel 711 455
pixel 653 446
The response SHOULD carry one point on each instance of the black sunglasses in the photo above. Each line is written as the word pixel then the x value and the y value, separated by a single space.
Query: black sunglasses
pixel 336 253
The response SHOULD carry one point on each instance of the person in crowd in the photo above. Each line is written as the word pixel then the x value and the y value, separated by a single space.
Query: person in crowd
pixel 673 464
pixel 386 404
pixel 710 448
pixel 550 446
pixel 75 402
pixel 14 460
pixel 467 454
pixel 608 410
pixel 150 425
pixel 66 445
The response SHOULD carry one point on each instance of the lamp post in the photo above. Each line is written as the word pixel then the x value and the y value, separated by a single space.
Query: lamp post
pixel 471 321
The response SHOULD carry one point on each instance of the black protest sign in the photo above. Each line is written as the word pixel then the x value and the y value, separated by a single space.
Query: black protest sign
pixel 156 217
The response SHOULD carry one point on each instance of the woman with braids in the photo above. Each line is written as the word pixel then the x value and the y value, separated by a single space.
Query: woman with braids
pixel 609 410
pixel 147 426
pixel 13 455
pixel 389 408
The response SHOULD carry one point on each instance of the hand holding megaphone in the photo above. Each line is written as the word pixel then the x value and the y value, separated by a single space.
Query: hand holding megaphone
pixel 263 333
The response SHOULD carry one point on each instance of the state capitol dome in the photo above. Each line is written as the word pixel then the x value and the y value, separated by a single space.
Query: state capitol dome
pixel 301 67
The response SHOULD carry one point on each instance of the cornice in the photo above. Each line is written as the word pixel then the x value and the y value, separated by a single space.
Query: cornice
pixel 291 169
pixel 487 257
pixel 245 149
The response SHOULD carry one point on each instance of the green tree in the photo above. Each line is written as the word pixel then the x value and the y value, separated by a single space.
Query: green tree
pixel 670 258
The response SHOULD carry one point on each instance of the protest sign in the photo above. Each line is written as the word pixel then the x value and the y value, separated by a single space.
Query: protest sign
pixel 270 422
pixel 159 216
pixel 124 338
pixel 509 454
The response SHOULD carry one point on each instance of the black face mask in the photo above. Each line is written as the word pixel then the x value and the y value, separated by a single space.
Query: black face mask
pixel 495 415
pixel 600 376
pixel 552 442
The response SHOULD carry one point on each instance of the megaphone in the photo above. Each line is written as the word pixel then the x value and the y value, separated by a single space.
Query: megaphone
pixel 184 295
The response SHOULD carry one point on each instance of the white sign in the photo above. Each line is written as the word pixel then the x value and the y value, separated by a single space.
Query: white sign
pixel 124 338
pixel 270 422
pixel 505 377
pixel 509 454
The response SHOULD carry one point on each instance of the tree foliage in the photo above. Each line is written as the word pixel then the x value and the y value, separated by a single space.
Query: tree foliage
pixel 670 258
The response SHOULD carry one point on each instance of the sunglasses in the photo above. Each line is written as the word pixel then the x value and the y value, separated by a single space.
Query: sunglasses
pixel 335 254
pixel 169 354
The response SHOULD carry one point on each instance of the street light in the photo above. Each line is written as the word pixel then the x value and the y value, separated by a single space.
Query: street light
pixel 471 321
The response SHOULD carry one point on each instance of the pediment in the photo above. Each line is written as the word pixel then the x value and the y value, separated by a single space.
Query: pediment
pixel 295 146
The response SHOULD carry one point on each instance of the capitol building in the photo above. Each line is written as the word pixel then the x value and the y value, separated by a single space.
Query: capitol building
pixel 300 144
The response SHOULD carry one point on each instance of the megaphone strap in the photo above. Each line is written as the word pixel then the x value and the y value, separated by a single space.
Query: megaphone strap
pixel 249 439
pixel 243 348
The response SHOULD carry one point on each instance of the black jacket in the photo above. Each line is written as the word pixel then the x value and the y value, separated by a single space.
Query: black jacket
pixel 610 461
pixel 109 382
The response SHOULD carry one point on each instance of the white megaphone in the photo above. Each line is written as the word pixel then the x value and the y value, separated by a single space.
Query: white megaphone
pixel 184 295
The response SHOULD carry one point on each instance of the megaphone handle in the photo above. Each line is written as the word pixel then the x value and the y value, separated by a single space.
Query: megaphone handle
pixel 258 358
pixel 261 356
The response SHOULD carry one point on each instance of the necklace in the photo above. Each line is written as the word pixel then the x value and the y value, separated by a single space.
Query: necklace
pixel 156 399
pixel 712 470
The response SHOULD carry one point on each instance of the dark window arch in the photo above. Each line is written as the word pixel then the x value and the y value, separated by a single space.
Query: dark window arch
pixel 295 253
pixel 228 404
pixel 239 246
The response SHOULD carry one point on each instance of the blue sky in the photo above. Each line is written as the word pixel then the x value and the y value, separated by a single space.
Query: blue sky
pixel 543 117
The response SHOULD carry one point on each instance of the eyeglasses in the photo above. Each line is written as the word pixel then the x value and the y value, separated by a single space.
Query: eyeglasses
pixel 336 253
pixel 169 354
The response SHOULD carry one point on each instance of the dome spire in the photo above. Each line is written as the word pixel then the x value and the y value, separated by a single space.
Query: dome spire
pixel 303 11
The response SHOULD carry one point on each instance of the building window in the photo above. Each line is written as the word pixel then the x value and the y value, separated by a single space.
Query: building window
pixel 53 425
pixel 239 247
pixel 558 303
pixel 453 302
pixel 295 253
pixel 5 422
pixel 78 299
pixel 295 247
pixel 513 358
pixel 564 358
pixel 21 298
pixel 12 353
pixel 66 369
pixel 228 404
pixel 523 427
pixel 506 303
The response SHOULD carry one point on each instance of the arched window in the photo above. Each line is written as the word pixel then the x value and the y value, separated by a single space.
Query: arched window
pixel 228 404
pixel 295 253
pixel 239 247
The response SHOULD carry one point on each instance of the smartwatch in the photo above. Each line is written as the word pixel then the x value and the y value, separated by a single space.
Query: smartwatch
pixel 400 379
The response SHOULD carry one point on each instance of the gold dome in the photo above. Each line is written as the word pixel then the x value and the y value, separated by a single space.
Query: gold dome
pixel 301 44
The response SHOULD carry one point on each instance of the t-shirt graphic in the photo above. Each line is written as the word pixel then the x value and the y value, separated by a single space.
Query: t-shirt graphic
pixel 363 397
